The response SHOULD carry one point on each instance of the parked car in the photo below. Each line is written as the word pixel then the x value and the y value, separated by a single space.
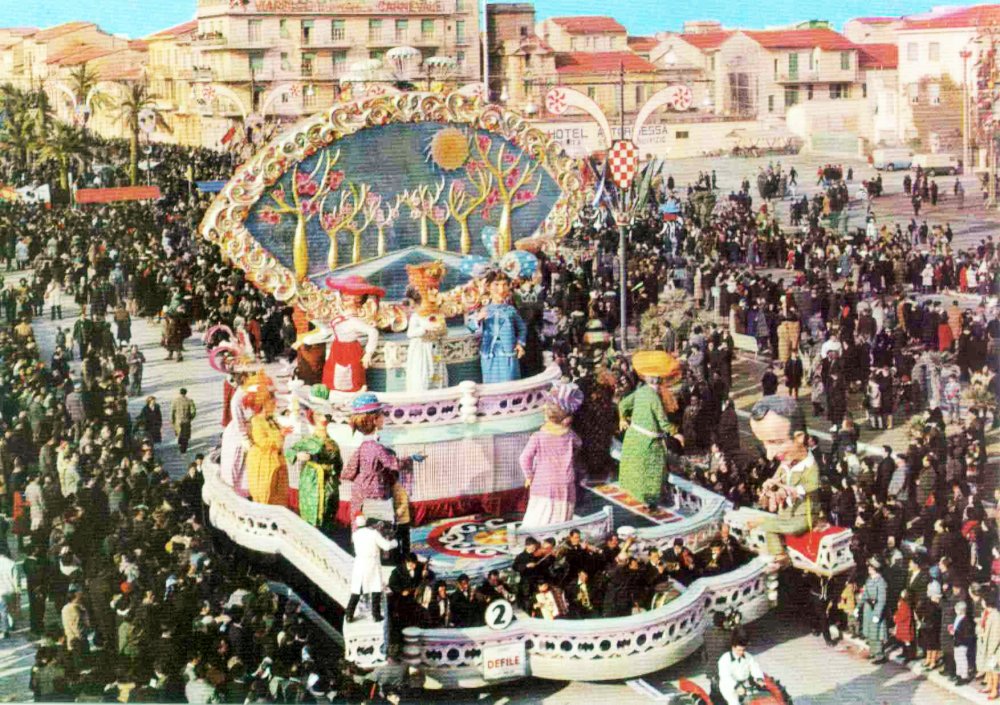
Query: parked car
pixel 936 163
pixel 891 159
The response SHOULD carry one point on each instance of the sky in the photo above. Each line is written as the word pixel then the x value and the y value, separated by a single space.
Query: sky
pixel 138 18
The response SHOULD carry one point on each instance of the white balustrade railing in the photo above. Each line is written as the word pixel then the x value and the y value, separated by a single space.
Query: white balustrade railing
pixel 466 402
pixel 704 513
pixel 268 528
pixel 595 649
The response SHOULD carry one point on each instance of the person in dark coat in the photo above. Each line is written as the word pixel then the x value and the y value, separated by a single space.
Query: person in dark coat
pixel 883 475
pixel 793 374
pixel 151 420
pixel 465 612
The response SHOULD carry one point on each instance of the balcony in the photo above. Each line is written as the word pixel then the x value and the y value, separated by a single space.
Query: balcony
pixel 800 76
pixel 381 39
pixel 202 73
pixel 825 75
pixel 210 41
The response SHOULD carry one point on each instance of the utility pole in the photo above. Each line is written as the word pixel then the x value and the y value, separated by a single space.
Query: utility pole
pixel 622 222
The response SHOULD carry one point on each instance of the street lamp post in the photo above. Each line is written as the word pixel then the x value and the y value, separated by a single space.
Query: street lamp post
pixel 622 224
pixel 965 54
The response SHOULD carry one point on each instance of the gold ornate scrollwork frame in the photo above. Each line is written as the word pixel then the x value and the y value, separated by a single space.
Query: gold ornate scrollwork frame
pixel 225 222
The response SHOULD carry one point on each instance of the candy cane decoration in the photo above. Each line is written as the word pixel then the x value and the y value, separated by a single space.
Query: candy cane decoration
pixel 677 97
pixel 560 99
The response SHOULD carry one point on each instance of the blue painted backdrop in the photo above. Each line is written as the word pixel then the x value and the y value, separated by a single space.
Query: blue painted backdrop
pixel 392 159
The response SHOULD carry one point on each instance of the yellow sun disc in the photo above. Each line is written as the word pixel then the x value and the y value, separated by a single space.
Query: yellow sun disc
pixel 449 148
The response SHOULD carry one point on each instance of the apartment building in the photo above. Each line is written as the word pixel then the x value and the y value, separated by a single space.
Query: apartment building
pixel 872 30
pixel 522 66
pixel 33 58
pixel 171 82
pixel 252 51
pixel 762 74
pixel 692 55
pixel 937 55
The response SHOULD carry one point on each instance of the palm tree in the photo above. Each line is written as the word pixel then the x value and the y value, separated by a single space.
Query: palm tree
pixel 19 126
pixel 65 143
pixel 137 100
pixel 82 82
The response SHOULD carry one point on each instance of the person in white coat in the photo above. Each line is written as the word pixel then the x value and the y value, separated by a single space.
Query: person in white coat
pixel 10 589
pixel 739 672
pixel 366 573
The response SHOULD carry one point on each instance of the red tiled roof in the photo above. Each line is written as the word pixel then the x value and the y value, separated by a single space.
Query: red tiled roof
pixel 60 30
pixel 706 40
pixel 602 62
pixel 955 18
pixel 138 45
pixel 19 31
pixel 79 54
pixel 589 24
pixel 876 20
pixel 120 72
pixel 878 56
pixel 642 43
pixel 175 31
pixel 801 39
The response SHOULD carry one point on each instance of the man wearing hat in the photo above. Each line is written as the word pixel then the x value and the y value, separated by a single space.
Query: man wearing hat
pixel 373 468
pixel 642 471
pixel 366 572
pixel 873 604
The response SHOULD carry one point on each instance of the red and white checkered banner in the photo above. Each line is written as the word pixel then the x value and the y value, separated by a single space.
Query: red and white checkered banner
pixel 623 162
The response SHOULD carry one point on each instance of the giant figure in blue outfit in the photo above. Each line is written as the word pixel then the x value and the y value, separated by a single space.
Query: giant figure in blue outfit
pixel 504 334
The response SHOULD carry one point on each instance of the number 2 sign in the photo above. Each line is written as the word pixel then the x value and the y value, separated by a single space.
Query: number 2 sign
pixel 499 615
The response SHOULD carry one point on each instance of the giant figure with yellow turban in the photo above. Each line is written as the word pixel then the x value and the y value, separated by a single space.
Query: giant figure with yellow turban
pixel 642 471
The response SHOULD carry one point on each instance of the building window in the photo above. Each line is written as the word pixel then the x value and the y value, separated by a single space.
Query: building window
pixel 286 63
pixel 402 30
pixel 427 29
pixel 592 92
pixel 573 44
pixel 310 96
pixel 912 51
pixel 839 90
pixel 307 30
pixel 914 92
pixel 283 29
pixel 256 62
pixel 460 58
pixel 254 30
pixel 459 5
pixel 640 94
pixel 377 54
pixel 681 135
pixel 934 93
pixel 845 60
pixel 934 51
pixel 711 63
pixel 770 104
pixel 524 32
pixel 809 91
pixel 374 30
pixel 812 60
pixel 791 96
pixel 337 31
pixel 460 31
pixel 775 68
pixel 308 61
pixel 339 60
pixel 864 90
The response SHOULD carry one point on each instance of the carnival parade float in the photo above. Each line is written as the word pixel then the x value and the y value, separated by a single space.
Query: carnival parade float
pixel 398 226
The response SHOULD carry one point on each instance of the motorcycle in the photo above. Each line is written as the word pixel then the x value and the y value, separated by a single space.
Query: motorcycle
pixel 769 692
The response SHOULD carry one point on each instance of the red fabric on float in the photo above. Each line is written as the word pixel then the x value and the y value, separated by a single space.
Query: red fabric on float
pixel 489 503
pixel 808 543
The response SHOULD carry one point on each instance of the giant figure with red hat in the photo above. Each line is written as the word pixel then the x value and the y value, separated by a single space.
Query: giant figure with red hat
pixel 347 360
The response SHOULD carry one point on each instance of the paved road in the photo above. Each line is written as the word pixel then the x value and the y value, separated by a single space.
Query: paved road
pixel 813 673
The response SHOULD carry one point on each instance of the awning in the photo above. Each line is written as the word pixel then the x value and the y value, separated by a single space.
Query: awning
pixel 124 193
pixel 209 186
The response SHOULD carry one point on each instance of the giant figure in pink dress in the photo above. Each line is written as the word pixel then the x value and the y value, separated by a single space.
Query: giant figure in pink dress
pixel 373 468
pixel 549 461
